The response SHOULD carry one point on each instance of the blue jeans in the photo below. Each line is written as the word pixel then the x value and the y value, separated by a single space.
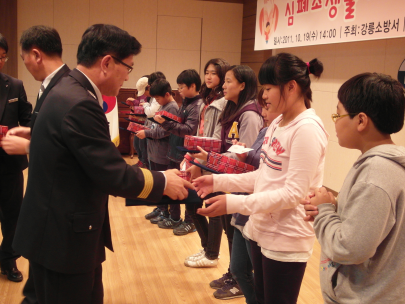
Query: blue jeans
pixel 141 149
pixel 241 266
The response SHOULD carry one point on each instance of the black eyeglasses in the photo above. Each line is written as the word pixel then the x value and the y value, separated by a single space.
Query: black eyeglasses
pixel 128 66
pixel 5 59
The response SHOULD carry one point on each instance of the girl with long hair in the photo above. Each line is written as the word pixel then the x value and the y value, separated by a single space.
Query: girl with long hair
pixel 292 162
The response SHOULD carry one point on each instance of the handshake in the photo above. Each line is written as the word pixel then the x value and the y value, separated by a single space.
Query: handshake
pixel 176 187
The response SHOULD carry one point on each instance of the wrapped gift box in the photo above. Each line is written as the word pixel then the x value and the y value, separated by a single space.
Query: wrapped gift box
pixel 126 112
pixel 188 158
pixel 132 103
pixel 135 127
pixel 168 116
pixel 209 144
pixel 3 131
pixel 139 120
pixel 224 164
pixel 185 175
pixel 139 111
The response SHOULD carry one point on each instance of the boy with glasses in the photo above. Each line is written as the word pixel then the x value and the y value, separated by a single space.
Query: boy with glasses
pixel 362 231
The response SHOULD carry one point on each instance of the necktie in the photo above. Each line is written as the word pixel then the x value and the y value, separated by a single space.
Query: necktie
pixel 41 90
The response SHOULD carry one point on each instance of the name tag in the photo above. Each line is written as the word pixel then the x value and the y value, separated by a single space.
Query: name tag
pixel 12 100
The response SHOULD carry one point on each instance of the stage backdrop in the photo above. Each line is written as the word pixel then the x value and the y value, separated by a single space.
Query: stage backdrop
pixel 290 23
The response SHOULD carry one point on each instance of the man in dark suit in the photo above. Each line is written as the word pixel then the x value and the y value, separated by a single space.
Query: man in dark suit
pixel 64 224
pixel 41 51
pixel 14 110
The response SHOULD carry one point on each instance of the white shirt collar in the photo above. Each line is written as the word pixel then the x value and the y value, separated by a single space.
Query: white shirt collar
pixel 98 93
pixel 48 79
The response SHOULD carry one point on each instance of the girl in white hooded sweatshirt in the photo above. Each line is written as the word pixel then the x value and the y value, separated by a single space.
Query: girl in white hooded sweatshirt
pixel 292 162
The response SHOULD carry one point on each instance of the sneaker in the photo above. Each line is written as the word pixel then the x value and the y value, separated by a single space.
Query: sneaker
pixel 195 256
pixel 231 290
pixel 153 214
pixel 184 228
pixel 221 282
pixel 168 223
pixel 160 217
pixel 201 262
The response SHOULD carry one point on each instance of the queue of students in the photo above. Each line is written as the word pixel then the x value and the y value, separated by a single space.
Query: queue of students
pixel 361 236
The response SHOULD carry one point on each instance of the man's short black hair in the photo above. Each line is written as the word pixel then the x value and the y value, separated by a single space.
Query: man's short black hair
pixel 104 39
pixel 188 77
pixel 160 87
pixel 3 43
pixel 43 37
pixel 155 75
pixel 379 96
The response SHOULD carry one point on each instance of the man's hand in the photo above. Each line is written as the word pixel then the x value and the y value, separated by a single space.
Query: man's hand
pixel 204 185
pixel 217 206
pixel 176 187
pixel 140 134
pixel 24 132
pixel 15 145
pixel 202 155
pixel 159 119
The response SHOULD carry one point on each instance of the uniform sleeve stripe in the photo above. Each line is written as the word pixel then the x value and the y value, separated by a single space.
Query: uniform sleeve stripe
pixel 147 188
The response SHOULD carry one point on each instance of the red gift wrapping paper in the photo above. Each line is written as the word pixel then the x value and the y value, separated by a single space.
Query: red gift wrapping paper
pixel 137 119
pixel 132 103
pixel 126 112
pixel 188 158
pixel 134 127
pixel 185 175
pixel 209 144
pixel 3 131
pixel 139 110
pixel 224 164
pixel 170 115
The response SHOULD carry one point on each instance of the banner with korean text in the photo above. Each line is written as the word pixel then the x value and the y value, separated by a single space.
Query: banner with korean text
pixel 291 23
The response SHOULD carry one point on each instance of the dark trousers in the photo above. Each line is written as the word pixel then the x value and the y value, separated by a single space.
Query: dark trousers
pixel 11 196
pixel 159 167
pixel 141 149
pixel 175 208
pixel 276 282
pixel 241 266
pixel 49 287
pixel 229 229
pixel 210 232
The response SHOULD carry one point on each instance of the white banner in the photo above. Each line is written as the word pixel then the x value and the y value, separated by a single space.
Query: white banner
pixel 291 23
